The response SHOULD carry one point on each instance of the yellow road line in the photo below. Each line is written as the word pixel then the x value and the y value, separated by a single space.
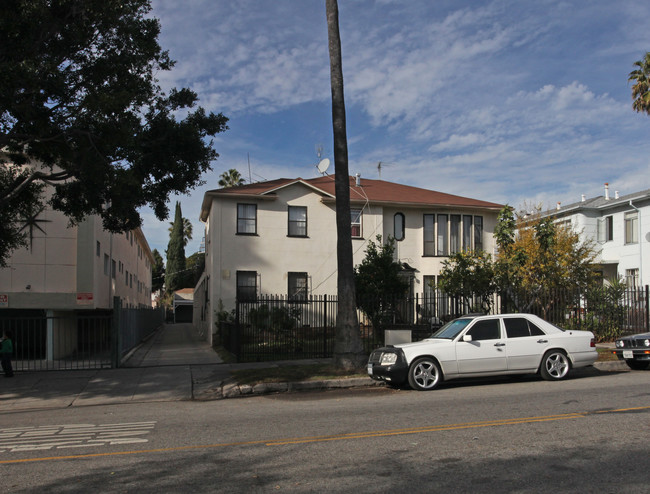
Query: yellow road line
pixel 342 437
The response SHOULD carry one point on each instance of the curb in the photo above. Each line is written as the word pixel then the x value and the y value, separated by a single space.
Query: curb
pixel 231 389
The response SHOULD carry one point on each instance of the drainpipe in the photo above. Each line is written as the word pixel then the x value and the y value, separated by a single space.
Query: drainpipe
pixel 640 244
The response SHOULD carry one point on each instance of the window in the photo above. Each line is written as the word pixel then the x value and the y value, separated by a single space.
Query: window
pixel 518 327
pixel 297 221
pixel 632 277
pixel 98 248
pixel 485 330
pixel 631 227
pixel 478 232
pixel 106 264
pixel 247 219
pixel 467 232
pixel 606 229
pixel 443 247
pixel 130 281
pixel 429 299
pixel 398 226
pixel 454 233
pixel 298 287
pixel 246 285
pixel 126 277
pixel 355 222
pixel 429 248
pixel 113 270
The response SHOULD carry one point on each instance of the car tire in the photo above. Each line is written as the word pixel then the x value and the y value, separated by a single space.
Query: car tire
pixel 424 374
pixel 637 364
pixel 555 365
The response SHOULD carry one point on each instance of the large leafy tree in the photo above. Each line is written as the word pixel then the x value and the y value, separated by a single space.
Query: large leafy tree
pixel 157 271
pixel 81 111
pixel 379 286
pixel 231 178
pixel 348 350
pixel 470 277
pixel 641 87
pixel 539 259
pixel 175 276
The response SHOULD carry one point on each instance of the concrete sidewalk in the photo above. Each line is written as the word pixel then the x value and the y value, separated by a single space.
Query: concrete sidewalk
pixel 173 365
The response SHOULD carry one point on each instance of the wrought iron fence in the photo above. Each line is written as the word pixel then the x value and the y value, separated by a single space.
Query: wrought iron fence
pixel 63 342
pixel 72 340
pixel 277 328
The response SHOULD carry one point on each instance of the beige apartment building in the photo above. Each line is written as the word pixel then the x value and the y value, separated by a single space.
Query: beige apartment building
pixel 279 237
pixel 68 268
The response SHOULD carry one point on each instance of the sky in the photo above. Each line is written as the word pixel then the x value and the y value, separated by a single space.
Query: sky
pixel 508 101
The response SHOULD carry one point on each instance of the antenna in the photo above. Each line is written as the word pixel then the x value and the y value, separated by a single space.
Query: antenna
pixel 323 165
pixel 380 165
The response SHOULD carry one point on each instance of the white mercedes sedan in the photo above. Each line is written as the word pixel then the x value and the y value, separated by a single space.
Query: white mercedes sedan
pixel 474 346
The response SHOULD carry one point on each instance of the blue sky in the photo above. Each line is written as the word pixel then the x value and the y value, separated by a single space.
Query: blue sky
pixel 509 101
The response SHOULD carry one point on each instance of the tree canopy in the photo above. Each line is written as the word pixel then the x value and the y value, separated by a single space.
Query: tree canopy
pixel 157 272
pixel 175 276
pixel 469 276
pixel 641 87
pixel 231 178
pixel 378 283
pixel 536 255
pixel 81 107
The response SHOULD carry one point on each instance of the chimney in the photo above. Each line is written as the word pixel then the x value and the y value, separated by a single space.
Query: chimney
pixel 358 180
pixel 558 205
pixel 606 191
pixel 583 198
pixel 616 196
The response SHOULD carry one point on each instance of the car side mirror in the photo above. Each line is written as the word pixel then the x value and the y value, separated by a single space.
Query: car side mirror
pixel 467 338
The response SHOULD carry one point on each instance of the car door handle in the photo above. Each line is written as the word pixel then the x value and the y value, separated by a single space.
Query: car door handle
pixel 499 344
pixel 542 341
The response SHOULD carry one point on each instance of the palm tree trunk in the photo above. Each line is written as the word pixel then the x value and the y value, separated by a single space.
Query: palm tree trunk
pixel 348 351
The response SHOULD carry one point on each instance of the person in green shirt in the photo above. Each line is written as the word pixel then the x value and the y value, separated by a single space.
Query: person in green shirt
pixel 6 352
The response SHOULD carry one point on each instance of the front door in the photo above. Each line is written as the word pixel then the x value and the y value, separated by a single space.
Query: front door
pixel 487 350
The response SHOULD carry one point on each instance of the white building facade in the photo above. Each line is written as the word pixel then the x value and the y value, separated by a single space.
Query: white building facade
pixel 67 268
pixel 279 237
pixel 619 228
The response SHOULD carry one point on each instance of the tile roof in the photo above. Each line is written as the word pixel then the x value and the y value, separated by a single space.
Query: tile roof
pixel 375 191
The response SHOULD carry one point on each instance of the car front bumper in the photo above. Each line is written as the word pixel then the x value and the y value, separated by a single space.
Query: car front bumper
pixel 395 373
pixel 642 354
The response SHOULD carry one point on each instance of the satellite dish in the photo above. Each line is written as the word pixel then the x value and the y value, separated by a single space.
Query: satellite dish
pixel 323 165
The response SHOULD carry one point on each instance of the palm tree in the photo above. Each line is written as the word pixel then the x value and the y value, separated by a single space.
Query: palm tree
pixel 348 350
pixel 641 87
pixel 231 178
pixel 187 230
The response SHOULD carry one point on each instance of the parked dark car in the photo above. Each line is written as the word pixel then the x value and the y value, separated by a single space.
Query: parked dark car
pixel 635 350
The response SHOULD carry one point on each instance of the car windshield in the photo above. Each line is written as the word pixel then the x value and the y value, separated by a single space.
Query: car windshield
pixel 451 329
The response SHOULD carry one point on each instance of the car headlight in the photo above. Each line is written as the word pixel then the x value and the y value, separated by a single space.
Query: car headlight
pixel 646 342
pixel 388 359
pixel 619 344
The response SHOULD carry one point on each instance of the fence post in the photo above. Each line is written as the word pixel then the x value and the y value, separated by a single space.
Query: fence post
pixel 234 339
pixel 325 326
pixel 647 308
pixel 115 333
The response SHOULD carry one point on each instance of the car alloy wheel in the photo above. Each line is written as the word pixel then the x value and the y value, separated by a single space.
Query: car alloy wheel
pixel 555 365
pixel 424 374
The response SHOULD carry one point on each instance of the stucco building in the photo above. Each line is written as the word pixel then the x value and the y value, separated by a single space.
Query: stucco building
pixel 619 228
pixel 279 237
